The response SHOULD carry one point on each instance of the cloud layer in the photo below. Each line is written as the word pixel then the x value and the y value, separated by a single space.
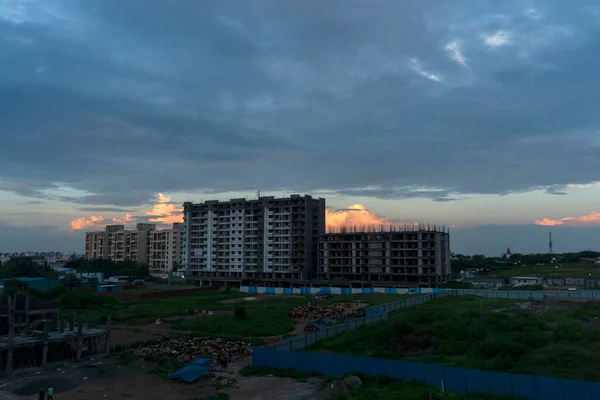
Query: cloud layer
pixel 589 219
pixel 387 99
pixel 356 215
pixel 163 213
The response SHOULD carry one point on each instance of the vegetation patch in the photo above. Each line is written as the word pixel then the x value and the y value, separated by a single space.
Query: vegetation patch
pixel 383 388
pixel 480 333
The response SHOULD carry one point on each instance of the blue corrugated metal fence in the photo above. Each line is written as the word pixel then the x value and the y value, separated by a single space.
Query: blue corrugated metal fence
pixel 455 379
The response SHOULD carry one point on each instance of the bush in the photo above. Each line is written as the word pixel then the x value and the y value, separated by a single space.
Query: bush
pixel 83 301
pixel 240 312
pixel 34 293
pixel 53 294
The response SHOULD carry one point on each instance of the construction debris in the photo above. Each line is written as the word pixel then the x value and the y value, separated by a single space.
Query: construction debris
pixel 318 324
pixel 321 310
pixel 188 349
pixel 311 328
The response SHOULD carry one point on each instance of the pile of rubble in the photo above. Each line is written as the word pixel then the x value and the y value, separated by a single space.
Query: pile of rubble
pixel 321 310
pixel 188 349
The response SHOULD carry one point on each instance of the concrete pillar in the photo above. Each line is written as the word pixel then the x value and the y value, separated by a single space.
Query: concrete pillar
pixel 19 319
pixel 72 322
pixel 107 338
pixel 9 362
pixel 46 329
pixel 10 342
pixel 79 335
pixel 54 325
pixel 46 335
pixel 80 325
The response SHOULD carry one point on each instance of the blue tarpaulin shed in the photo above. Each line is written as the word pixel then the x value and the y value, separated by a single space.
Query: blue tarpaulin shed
pixel 192 371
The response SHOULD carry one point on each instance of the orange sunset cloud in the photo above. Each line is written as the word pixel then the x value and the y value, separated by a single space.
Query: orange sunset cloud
pixel 591 218
pixel 355 215
pixel 129 219
pixel 165 212
pixel 86 222
pixel 162 212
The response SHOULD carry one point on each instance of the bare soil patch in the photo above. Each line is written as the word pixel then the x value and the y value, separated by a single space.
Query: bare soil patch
pixel 107 380
pixel 125 335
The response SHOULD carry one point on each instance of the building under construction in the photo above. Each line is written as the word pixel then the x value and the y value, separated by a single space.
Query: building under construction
pixel 35 334
pixel 418 256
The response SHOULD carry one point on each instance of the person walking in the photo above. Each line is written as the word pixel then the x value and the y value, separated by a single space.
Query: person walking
pixel 50 393
pixel 42 394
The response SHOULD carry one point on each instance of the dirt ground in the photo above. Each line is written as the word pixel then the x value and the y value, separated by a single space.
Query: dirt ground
pixel 144 329
pixel 103 379
pixel 126 335
pixel 273 388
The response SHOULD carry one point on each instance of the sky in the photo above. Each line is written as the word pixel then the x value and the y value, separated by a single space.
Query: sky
pixel 478 116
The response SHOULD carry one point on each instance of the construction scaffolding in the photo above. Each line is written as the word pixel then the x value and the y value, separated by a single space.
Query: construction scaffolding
pixel 34 338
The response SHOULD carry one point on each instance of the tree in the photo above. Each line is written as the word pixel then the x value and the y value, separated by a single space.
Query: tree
pixel 130 268
pixel 51 274
pixel 75 264
pixel 21 267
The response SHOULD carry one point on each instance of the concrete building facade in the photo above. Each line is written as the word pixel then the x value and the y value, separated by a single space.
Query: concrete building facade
pixel 96 245
pixel 165 250
pixel 266 238
pixel 408 258
pixel 160 249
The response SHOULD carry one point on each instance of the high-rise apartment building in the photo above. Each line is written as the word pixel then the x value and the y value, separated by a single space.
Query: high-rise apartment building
pixel 412 258
pixel 268 238
pixel 160 249
pixel 96 245
pixel 119 244
pixel 165 250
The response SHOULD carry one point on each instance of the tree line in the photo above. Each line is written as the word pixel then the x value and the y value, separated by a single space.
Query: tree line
pixel 26 267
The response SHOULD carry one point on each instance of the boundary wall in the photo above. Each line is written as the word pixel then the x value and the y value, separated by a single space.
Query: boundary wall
pixel 453 379
pixel 284 354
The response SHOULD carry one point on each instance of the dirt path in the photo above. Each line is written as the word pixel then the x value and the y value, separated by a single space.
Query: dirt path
pixel 100 379
pixel 271 388
pixel 103 379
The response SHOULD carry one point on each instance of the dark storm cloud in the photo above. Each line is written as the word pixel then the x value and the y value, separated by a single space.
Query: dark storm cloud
pixel 386 99
pixel 103 209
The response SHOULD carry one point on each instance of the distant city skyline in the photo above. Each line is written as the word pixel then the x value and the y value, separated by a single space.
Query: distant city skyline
pixel 482 238
pixel 481 117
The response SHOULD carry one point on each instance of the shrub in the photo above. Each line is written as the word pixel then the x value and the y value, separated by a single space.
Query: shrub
pixel 240 312
pixel 83 300
pixel 54 293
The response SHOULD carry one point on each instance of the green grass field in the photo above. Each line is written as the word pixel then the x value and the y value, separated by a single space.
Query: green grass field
pixel 266 316
pixel 382 388
pixel 481 333
pixel 551 271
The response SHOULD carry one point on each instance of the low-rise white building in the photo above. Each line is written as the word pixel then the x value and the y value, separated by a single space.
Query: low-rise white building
pixel 526 280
